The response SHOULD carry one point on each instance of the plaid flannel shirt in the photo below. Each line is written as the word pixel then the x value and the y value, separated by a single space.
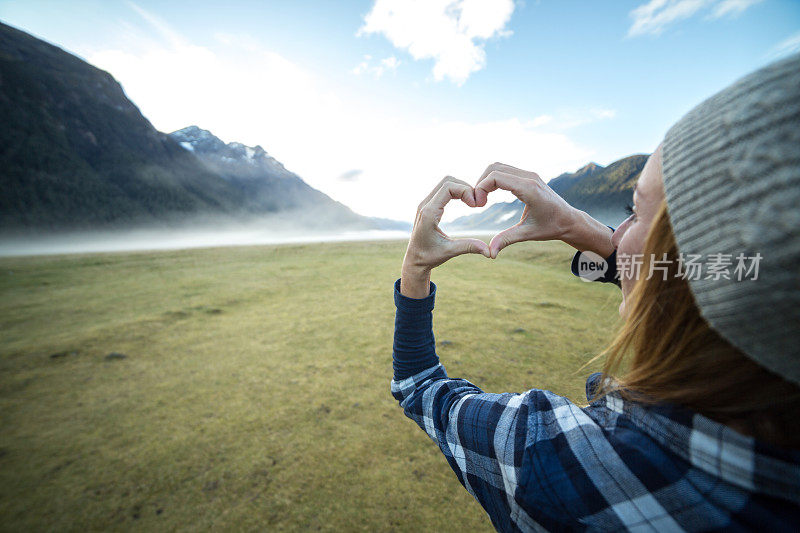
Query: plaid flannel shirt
pixel 536 461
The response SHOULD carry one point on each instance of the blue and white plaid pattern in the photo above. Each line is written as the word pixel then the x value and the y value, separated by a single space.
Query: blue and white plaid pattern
pixel 536 461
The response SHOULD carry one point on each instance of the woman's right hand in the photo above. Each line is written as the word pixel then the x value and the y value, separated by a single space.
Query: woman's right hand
pixel 429 246
pixel 546 216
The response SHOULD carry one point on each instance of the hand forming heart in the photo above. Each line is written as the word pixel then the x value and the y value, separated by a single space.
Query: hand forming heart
pixel 545 217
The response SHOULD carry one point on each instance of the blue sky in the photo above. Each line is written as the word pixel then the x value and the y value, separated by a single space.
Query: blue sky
pixel 373 102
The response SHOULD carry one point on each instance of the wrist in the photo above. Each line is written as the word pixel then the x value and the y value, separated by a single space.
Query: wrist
pixel 415 281
pixel 584 233
pixel 570 224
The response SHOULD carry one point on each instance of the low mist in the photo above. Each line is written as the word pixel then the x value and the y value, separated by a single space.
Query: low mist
pixel 122 240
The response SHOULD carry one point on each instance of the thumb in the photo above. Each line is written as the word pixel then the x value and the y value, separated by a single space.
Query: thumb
pixel 506 238
pixel 469 246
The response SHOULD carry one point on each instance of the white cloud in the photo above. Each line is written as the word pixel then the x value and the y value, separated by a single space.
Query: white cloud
pixel 451 32
pixel 242 91
pixel 351 175
pixel 541 120
pixel 387 64
pixel 655 16
pixel 786 47
pixel 363 66
pixel 580 117
pixel 732 7
pixel 161 27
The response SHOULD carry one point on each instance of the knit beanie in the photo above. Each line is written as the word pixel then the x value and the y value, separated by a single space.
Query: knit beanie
pixel 731 169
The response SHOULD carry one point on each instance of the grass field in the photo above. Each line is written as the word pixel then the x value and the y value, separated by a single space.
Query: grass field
pixel 254 394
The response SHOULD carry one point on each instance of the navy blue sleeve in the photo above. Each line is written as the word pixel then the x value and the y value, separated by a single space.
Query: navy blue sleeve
pixel 611 275
pixel 483 436
pixel 414 348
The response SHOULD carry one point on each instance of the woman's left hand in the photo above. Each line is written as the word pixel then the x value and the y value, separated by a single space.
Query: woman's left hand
pixel 429 246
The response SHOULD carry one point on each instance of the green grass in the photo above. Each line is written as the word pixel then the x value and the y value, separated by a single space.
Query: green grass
pixel 255 391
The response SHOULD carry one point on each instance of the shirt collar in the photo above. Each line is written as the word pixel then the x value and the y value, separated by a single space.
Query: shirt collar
pixel 711 446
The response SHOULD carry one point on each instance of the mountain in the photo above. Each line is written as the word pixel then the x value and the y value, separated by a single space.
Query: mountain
pixel 567 180
pixel 604 192
pixel 601 191
pixel 76 153
pixel 267 186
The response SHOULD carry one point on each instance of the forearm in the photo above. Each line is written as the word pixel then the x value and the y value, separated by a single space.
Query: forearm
pixel 414 348
pixel 584 233
pixel 487 461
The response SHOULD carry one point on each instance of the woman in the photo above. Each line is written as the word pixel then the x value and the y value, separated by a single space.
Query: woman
pixel 701 430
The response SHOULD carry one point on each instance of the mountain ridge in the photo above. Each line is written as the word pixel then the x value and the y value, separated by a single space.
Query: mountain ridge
pixel 76 153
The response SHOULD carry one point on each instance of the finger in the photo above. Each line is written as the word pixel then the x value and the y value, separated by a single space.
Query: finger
pixel 507 169
pixel 498 180
pixel 446 179
pixel 501 167
pixel 505 238
pixel 469 246
pixel 449 191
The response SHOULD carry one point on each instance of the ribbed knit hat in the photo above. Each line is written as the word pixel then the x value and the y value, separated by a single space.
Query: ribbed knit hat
pixel 731 171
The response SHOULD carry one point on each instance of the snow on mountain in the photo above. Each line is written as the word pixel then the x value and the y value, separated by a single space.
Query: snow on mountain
pixel 249 161
pixel 506 216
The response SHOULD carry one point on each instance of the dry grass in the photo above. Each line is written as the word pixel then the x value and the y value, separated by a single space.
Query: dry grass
pixel 255 391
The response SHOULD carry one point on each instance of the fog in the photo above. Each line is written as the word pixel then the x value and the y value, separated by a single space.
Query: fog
pixel 172 239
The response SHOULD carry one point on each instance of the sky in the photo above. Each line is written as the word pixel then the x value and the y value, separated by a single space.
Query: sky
pixel 375 101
